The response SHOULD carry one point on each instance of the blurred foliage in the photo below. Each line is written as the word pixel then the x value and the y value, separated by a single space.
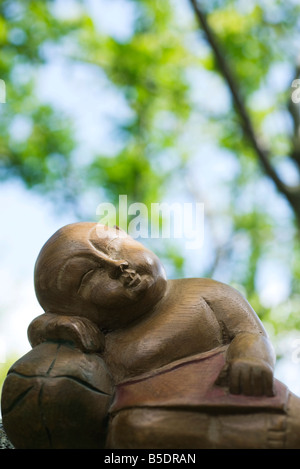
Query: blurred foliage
pixel 180 134
pixel 4 367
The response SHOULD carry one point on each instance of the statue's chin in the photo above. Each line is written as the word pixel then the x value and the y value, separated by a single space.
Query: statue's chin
pixel 139 288
pixel 130 303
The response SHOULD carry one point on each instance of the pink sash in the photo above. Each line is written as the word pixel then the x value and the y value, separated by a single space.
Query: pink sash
pixel 190 384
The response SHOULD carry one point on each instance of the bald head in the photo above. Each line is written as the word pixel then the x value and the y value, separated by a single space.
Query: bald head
pixel 87 268
pixel 57 264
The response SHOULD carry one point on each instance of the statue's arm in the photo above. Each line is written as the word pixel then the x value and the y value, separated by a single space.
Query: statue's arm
pixel 250 363
pixel 250 356
pixel 80 331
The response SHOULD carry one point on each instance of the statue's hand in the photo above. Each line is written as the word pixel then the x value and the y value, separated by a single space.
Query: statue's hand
pixel 251 377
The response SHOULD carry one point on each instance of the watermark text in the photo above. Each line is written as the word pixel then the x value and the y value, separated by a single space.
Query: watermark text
pixel 160 220
pixel 296 92
pixel 2 92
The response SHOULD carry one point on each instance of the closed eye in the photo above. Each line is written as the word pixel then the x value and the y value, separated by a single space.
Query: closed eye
pixel 85 278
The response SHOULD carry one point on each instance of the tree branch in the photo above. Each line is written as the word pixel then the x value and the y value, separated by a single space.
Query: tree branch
pixel 292 194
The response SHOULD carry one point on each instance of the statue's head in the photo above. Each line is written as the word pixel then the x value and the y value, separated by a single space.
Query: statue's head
pixel 101 273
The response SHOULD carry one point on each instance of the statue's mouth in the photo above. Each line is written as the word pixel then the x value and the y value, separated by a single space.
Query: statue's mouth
pixel 130 279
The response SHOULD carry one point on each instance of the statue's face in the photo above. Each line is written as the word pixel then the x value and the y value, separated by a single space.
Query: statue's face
pixel 114 272
pixel 98 272
pixel 120 268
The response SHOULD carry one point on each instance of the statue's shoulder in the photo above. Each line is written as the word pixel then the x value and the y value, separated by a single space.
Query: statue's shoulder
pixel 201 283
pixel 209 289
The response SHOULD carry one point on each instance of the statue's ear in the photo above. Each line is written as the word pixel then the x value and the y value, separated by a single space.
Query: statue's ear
pixel 81 332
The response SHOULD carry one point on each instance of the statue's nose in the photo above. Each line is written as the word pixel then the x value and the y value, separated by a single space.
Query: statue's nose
pixel 116 268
